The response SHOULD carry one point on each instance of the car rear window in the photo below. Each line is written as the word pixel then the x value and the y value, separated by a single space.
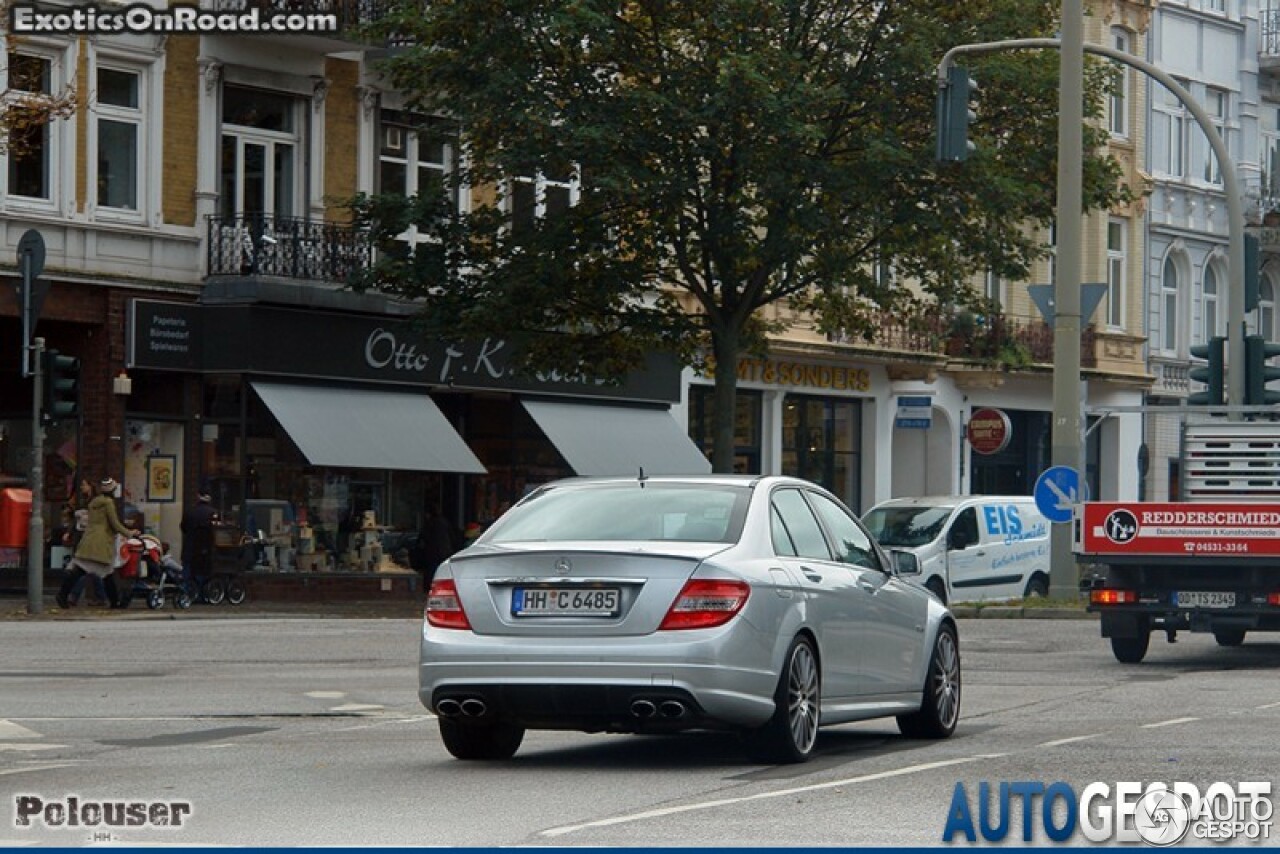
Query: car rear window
pixel 630 511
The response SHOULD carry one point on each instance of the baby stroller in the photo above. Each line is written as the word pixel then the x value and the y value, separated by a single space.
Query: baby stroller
pixel 149 572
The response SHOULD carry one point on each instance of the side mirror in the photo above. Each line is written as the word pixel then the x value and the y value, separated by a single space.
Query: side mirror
pixel 904 563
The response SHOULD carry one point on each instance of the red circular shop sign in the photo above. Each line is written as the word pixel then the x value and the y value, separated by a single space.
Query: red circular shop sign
pixel 989 431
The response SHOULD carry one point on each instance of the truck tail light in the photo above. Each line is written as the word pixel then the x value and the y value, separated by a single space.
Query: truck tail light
pixel 1111 596
pixel 444 608
pixel 1274 598
pixel 705 603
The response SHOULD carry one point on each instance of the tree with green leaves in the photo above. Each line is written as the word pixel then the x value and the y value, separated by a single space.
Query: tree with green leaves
pixel 729 155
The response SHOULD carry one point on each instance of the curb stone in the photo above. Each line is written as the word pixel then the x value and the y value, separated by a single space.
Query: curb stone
pixel 1018 612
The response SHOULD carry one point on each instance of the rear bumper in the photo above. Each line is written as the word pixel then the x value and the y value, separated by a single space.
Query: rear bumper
pixel 593 686
pixel 1119 621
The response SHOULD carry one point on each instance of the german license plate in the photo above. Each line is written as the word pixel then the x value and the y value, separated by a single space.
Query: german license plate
pixel 565 601
pixel 1204 599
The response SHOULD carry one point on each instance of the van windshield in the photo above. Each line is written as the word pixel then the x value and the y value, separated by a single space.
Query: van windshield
pixel 906 526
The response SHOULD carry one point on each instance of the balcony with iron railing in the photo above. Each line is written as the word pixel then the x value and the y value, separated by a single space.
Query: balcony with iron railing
pixel 1269 39
pixel 286 247
pixel 996 341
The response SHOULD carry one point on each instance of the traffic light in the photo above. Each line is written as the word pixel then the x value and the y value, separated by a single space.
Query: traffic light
pixel 1252 271
pixel 61 386
pixel 1257 373
pixel 954 115
pixel 1210 374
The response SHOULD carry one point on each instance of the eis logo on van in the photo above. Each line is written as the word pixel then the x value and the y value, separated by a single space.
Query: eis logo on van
pixel 1004 522
pixel 1158 814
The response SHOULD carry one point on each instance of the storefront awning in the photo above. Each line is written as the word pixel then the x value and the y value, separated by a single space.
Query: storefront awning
pixel 364 428
pixel 617 440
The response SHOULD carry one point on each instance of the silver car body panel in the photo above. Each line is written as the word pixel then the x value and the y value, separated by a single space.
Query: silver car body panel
pixel 730 671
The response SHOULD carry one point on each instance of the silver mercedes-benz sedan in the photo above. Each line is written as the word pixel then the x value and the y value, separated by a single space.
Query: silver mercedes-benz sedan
pixel 753 604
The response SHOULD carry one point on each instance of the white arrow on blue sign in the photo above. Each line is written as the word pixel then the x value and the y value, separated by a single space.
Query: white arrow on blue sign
pixel 1057 490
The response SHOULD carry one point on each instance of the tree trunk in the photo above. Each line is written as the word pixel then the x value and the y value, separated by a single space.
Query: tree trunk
pixel 724 345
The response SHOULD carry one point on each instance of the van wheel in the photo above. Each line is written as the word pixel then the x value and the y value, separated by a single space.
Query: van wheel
pixel 937 588
pixel 1037 588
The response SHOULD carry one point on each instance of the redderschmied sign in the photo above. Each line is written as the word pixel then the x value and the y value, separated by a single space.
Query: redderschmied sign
pixel 989 431
pixel 1142 528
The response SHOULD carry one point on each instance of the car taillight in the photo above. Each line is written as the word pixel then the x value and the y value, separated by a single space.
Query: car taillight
pixel 444 608
pixel 704 603
pixel 1109 596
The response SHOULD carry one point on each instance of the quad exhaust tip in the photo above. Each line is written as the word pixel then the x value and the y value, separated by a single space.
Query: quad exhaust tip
pixel 473 708
pixel 672 709
pixel 448 708
pixel 643 709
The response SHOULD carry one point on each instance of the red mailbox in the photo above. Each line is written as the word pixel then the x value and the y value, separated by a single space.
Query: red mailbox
pixel 15 517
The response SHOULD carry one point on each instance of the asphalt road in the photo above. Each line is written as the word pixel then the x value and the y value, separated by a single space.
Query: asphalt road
pixel 308 731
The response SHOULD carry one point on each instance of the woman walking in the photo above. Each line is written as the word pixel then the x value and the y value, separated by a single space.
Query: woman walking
pixel 96 551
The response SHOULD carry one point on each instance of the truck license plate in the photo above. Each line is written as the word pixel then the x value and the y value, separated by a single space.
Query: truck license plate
pixel 566 602
pixel 1204 599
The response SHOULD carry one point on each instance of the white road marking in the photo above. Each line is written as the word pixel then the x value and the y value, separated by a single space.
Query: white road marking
pixel 1169 723
pixel 780 793
pixel 357 707
pixel 30 747
pixel 326 695
pixel 1268 706
pixel 1071 740
pixel 9 731
pixel 48 766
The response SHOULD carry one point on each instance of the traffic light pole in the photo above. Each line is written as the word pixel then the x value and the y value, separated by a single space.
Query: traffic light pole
pixel 1067 441
pixel 35 529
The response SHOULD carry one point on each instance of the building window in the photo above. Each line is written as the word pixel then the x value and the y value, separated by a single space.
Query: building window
pixel 1269 122
pixel 1116 264
pixel 1169 306
pixel 543 195
pixel 748 407
pixel 1266 309
pixel 1118 104
pixel 415 157
pixel 119 111
pixel 259 154
pixel 1217 104
pixel 1210 301
pixel 31 148
pixel 821 438
pixel 1169 128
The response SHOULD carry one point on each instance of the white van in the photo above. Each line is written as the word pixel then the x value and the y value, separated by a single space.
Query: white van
pixel 969 547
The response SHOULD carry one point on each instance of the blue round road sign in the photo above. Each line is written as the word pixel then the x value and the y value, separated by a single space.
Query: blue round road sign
pixel 1057 489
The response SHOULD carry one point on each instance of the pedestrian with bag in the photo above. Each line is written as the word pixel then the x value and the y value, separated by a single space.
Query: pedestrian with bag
pixel 96 553
pixel 437 541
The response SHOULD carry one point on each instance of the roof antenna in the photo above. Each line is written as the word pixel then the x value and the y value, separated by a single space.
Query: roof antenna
pixel 642 477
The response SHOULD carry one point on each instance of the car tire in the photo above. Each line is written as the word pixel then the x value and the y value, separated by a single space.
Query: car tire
pixel 937 588
pixel 790 734
pixel 940 701
pixel 1229 637
pixel 480 741
pixel 1131 650
pixel 1037 588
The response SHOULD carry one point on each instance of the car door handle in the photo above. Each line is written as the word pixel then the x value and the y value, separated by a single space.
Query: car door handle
pixel 869 587
pixel 811 574
pixel 981 552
